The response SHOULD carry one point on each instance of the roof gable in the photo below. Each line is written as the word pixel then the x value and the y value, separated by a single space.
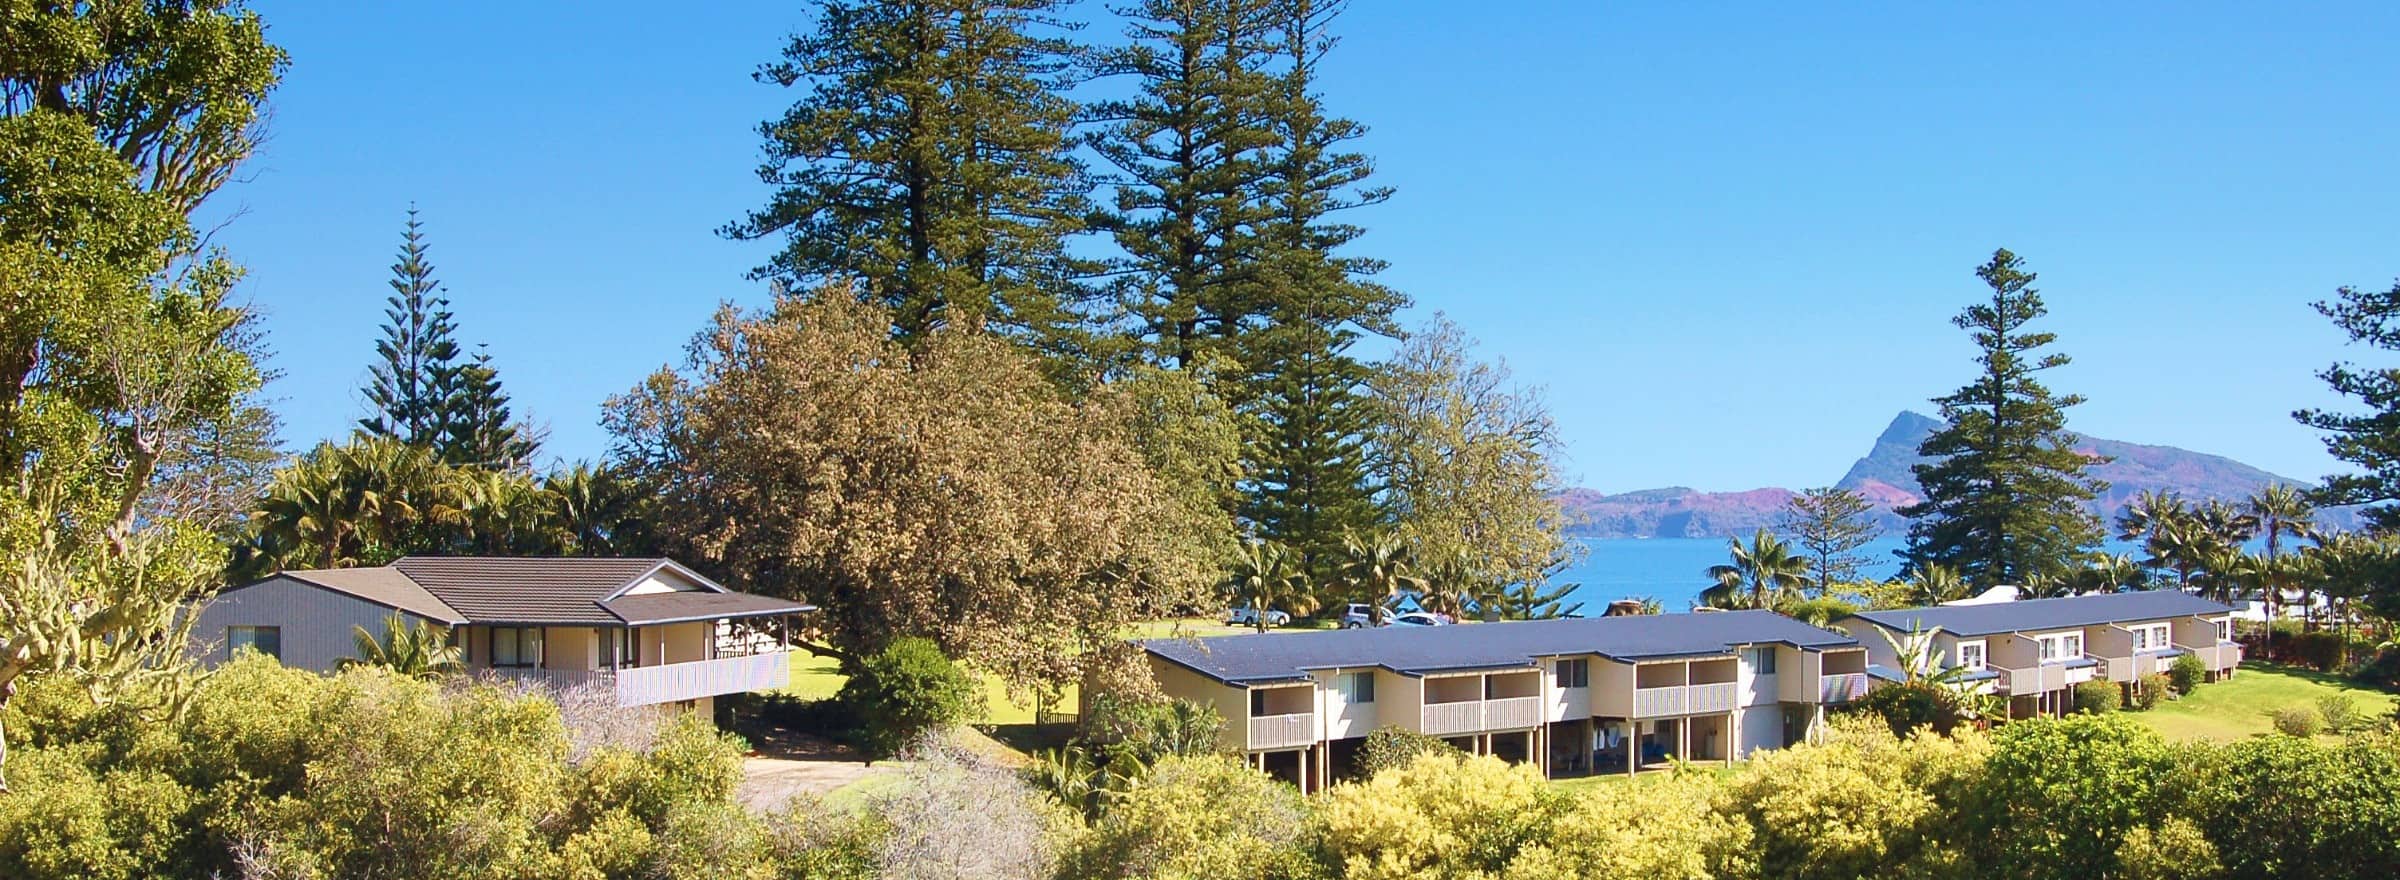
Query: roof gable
pixel 381 586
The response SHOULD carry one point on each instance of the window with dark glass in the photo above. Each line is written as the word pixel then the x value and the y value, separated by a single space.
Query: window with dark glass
pixel 1362 687
pixel 1763 662
pixel 1573 673
pixel 266 640
pixel 1258 703
pixel 516 646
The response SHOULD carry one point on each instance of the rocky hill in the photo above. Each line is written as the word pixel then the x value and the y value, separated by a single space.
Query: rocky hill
pixel 1883 476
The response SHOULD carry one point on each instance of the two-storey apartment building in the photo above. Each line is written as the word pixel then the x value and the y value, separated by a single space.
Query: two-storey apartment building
pixel 649 630
pixel 1574 696
pixel 2035 651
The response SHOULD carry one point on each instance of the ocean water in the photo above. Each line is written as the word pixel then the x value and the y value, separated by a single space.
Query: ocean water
pixel 1673 570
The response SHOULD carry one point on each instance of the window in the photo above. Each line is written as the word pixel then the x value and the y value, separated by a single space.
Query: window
pixel 1574 673
pixel 1763 661
pixel 1258 703
pixel 2150 637
pixel 2074 646
pixel 1362 687
pixel 516 646
pixel 1970 655
pixel 266 640
pixel 2225 630
pixel 627 650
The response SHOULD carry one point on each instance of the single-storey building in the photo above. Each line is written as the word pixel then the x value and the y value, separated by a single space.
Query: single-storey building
pixel 650 630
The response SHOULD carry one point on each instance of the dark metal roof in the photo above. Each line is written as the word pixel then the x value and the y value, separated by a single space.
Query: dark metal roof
pixel 2029 615
pixel 652 608
pixel 383 586
pixel 1275 657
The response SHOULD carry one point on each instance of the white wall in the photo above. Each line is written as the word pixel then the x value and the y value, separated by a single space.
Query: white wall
pixel 1762 728
pixel 316 622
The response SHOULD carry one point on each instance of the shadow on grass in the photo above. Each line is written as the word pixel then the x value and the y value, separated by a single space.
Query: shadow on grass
pixel 1028 738
pixel 2302 672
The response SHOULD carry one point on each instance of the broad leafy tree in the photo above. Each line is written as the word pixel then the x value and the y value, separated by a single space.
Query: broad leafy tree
pixel 1830 525
pixel 2005 489
pixel 929 160
pixel 1467 461
pixel 947 491
pixel 128 380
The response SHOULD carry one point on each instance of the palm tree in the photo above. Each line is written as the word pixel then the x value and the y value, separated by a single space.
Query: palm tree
pixel 1264 577
pixel 421 651
pixel 1935 584
pixel 2110 573
pixel 2229 572
pixel 2347 566
pixel 1767 565
pixel 1379 567
pixel 2148 515
pixel 2280 510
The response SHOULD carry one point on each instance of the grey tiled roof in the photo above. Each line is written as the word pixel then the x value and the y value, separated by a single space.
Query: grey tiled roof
pixel 1248 659
pixel 2026 615
pixel 383 586
pixel 548 589
pixel 542 590
pixel 677 607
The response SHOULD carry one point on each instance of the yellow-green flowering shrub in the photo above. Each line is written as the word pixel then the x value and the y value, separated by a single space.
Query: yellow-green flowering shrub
pixel 1440 816
pixel 1197 818
pixel 1662 827
pixel 1863 802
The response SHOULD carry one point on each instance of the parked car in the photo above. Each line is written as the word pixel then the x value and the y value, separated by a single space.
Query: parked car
pixel 1358 615
pixel 1416 618
pixel 1249 617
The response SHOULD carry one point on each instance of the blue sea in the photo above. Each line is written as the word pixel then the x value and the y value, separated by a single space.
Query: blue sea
pixel 1673 570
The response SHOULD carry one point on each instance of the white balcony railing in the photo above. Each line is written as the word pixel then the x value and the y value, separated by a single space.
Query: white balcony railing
pixel 666 682
pixel 2034 680
pixel 1282 731
pixel 1841 687
pixel 674 682
pixel 1658 701
pixel 1711 698
pixel 1475 716
pixel 1509 713
pixel 1465 716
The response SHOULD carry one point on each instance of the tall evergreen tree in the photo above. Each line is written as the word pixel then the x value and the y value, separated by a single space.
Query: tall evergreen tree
pixel 931 162
pixel 476 428
pixel 2005 490
pixel 1310 480
pixel 2370 440
pixel 1309 460
pixel 410 391
pixel 1186 150
pixel 1830 525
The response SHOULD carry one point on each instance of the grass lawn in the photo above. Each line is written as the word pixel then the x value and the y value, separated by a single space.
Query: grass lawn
pixel 1009 721
pixel 2238 707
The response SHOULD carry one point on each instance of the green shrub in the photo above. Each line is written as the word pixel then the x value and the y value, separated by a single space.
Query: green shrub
pixel 1909 706
pixel 2187 672
pixel 62 821
pixel 1208 816
pixel 829 717
pixel 2098 697
pixel 2149 689
pixel 2318 649
pixel 1388 747
pixel 904 691
pixel 2340 713
pixel 2058 795
pixel 1145 730
pixel 2299 721
pixel 2382 671
pixel 2282 807
pixel 2174 850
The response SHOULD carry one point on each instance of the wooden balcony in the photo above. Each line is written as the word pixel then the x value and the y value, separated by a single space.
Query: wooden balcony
pixel 1709 699
pixel 2033 680
pixel 1841 687
pixel 1283 731
pixel 1476 716
pixel 1657 702
pixel 666 682
pixel 2218 657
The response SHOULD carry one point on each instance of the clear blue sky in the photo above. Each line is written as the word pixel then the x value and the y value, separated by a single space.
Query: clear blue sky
pixel 1728 242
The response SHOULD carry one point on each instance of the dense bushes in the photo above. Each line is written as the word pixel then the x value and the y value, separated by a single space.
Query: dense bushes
pixel 1911 706
pixel 2149 689
pixel 1388 747
pixel 2299 721
pixel 2186 673
pixel 2057 797
pixel 278 772
pixel 905 690
pixel 2098 697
